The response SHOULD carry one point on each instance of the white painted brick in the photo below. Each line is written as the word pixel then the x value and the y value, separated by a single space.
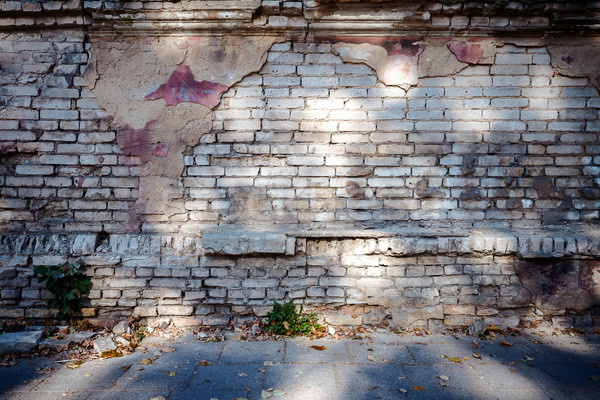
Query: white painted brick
pixel 326 126
pixel 310 92
pixel 521 80
pixel 242 125
pixel 470 126
pixel 416 92
pixel 473 81
pixel 316 70
pixel 34 169
pixel 357 126
pixel 539 114
pixel 347 93
pixel 320 82
pixel 501 114
pixel 462 114
pixel 285 103
pixel 510 58
pixel 464 92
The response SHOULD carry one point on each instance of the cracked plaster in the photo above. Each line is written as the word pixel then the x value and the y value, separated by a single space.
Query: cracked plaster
pixel 123 72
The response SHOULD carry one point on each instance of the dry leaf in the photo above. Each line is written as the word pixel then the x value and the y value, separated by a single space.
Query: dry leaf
pixel 320 348
pixel 419 388
pixel 444 383
pixel 444 377
pixel 125 367
pixel 529 358
pixel 505 343
pixel 455 359
pixel 168 349
pixel 477 355
pixel 402 390
pixel 145 361
pixel 286 325
pixel 172 373
pixel 513 371
pixel 243 374
pixel 204 363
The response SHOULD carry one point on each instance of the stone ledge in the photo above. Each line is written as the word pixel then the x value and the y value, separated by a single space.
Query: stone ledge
pixel 244 242
pixel 237 241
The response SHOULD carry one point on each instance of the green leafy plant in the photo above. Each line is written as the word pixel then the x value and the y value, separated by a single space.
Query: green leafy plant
pixel 68 285
pixel 284 320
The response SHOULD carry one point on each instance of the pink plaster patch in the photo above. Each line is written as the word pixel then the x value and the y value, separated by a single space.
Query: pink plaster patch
pixel 108 38
pixel 161 149
pixel 135 140
pixel 465 52
pixel 181 86
pixel 80 181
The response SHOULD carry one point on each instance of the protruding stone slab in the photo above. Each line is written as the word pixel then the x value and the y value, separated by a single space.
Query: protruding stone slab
pixel 16 342
pixel 244 242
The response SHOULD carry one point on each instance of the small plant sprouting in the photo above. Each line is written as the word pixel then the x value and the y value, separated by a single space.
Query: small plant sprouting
pixel 284 320
pixel 67 284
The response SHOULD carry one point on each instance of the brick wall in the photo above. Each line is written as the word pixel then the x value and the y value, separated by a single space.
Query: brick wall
pixel 445 173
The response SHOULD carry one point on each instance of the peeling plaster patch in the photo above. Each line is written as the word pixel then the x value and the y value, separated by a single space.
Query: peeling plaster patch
pixel 157 134
pixel 80 181
pixel 394 59
pixel 108 38
pixel 579 59
pixel 466 52
pixel 181 87
pixel 134 140
pixel 161 150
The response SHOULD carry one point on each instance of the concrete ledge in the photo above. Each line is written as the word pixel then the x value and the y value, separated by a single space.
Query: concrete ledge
pixel 243 242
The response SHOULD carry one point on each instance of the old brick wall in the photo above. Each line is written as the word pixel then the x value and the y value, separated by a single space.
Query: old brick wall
pixel 416 162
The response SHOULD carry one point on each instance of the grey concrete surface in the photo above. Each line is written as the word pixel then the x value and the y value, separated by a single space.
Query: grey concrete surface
pixel 383 366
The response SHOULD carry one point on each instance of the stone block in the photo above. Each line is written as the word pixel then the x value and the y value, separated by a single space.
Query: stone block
pixel 244 242
pixel 16 342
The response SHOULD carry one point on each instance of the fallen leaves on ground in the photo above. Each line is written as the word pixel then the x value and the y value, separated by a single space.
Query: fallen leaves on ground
pixel 204 363
pixel 146 361
pixel 444 377
pixel 403 390
pixel 268 363
pixel 320 348
pixel 171 373
pixel 111 354
pixel 419 388
pixel 125 367
pixel 168 349
pixel 477 355
pixel 505 343
pixel 455 360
